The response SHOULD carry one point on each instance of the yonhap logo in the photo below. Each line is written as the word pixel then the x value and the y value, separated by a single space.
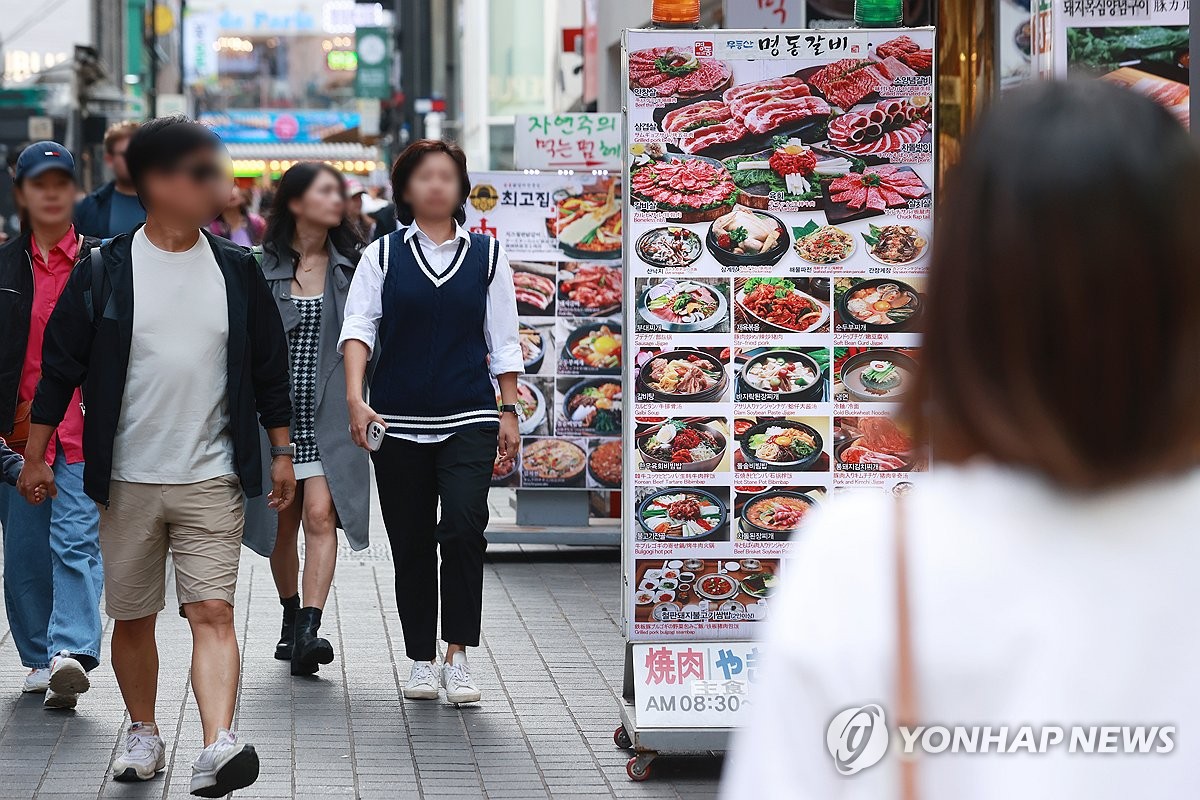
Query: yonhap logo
pixel 857 738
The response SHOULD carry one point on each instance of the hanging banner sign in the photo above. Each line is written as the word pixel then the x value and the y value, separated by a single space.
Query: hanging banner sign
pixel 579 142
pixel 373 75
pixel 780 218
pixel 562 235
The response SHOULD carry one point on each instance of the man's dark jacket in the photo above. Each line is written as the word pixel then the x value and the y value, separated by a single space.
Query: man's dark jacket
pixel 96 356
pixel 93 212
pixel 16 309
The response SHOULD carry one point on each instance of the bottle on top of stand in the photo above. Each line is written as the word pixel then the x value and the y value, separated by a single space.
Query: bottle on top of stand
pixel 879 13
pixel 675 14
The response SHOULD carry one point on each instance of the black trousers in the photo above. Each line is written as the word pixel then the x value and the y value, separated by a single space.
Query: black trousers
pixel 412 478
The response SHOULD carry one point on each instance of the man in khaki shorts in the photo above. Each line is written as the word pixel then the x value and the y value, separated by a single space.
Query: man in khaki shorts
pixel 178 344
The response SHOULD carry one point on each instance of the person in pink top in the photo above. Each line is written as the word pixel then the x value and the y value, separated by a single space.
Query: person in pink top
pixel 53 574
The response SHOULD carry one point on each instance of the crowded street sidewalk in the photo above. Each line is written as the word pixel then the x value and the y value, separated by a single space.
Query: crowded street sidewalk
pixel 549 667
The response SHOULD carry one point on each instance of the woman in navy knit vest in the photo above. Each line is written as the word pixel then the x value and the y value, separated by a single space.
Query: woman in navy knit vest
pixel 436 308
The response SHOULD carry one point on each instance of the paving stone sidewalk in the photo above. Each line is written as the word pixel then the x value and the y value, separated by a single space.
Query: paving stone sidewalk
pixel 549 667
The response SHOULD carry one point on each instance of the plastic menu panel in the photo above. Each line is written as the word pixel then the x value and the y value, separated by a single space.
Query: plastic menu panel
pixel 562 235
pixel 779 221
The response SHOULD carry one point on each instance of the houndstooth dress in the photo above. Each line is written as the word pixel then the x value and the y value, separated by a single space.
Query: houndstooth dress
pixel 303 345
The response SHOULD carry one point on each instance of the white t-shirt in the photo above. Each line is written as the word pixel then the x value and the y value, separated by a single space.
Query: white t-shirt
pixel 1029 605
pixel 174 425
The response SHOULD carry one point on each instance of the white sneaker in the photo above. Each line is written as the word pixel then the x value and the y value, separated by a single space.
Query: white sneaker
pixel 144 754
pixel 37 681
pixel 224 766
pixel 68 680
pixel 422 682
pixel 456 677
pixel 61 700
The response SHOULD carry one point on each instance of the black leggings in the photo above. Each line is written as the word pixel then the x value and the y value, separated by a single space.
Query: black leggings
pixel 411 478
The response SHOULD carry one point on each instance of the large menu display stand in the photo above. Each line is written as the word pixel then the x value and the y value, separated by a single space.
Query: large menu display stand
pixel 778 216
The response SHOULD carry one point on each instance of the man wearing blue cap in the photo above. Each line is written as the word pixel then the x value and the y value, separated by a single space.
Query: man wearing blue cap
pixel 52 575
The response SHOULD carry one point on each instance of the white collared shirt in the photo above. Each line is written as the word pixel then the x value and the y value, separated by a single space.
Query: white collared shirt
pixel 364 306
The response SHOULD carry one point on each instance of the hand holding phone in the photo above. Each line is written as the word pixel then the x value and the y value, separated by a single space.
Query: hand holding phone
pixel 367 428
pixel 375 434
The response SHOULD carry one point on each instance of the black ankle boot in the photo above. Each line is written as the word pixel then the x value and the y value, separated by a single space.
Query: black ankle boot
pixel 309 652
pixel 287 634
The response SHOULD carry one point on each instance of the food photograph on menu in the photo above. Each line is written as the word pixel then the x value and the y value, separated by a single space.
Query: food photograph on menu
pixel 684 375
pixel 773 513
pixel 683 514
pixel 704 590
pixel 783 375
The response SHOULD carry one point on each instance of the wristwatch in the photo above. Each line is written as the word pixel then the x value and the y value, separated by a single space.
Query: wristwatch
pixel 288 450
pixel 508 408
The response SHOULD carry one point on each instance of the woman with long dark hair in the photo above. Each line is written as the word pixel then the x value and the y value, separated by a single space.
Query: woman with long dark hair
pixel 1043 575
pixel 440 303
pixel 309 258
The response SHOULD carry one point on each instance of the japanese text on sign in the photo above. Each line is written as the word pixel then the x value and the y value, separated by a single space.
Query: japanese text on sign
pixel 689 684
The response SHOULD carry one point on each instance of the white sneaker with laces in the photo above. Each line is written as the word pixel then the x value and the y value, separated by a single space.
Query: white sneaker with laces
pixel 224 766
pixel 37 681
pixel 456 677
pixel 422 682
pixel 144 754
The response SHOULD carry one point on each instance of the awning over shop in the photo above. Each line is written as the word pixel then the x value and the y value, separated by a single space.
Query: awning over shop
pixel 274 158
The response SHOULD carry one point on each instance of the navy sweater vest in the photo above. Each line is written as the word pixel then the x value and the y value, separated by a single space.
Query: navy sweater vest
pixel 432 374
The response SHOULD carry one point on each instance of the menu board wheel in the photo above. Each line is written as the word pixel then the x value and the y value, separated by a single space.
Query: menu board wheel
pixel 638 767
pixel 621 738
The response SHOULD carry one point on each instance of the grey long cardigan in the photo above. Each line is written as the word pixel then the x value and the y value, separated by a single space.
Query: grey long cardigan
pixel 347 466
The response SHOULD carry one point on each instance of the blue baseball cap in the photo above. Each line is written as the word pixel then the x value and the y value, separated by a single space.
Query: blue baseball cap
pixel 40 157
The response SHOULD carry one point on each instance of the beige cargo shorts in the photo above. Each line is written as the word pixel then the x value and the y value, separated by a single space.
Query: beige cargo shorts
pixel 199 523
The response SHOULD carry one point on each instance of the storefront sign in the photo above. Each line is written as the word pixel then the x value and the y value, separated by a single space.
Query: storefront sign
pixel 578 142
pixel 374 75
pixel 779 213
pixel 694 685
pixel 261 125
pixel 563 237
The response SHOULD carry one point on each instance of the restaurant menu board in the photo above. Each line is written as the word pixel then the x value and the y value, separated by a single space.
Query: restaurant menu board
pixel 1139 44
pixel 562 235
pixel 779 211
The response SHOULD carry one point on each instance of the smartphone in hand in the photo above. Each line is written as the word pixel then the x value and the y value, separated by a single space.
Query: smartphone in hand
pixel 375 434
